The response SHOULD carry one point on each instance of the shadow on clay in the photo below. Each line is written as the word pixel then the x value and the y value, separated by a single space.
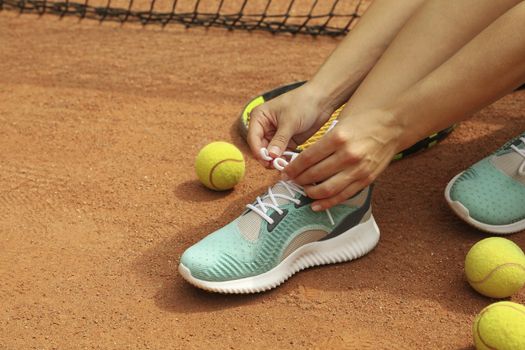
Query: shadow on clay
pixel 420 255
pixel 159 264
pixel 194 191
pixel 180 297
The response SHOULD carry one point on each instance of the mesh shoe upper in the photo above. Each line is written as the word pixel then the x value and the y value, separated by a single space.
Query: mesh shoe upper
pixel 229 253
pixel 493 190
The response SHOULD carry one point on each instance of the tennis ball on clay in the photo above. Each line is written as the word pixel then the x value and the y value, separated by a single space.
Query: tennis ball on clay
pixel 219 166
pixel 500 326
pixel 495 267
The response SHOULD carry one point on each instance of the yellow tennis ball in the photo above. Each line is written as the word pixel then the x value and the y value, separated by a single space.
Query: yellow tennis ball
pixel 495 267
pixel 500 326
pixel 219 165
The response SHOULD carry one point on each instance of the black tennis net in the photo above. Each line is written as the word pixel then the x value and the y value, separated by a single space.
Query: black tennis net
pixel 314 17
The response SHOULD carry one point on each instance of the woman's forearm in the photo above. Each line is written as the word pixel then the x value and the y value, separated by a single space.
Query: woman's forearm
pixel 490 66
pixel 347 66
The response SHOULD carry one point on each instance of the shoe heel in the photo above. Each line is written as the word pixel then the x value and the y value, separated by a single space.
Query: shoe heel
pixel 349 245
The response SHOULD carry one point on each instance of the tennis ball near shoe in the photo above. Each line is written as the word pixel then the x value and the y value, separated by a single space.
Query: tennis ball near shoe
pixel 219 166
pixel 495 267
pixel 500 326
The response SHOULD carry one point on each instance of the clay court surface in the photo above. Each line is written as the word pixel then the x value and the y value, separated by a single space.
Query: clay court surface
pixel 99 127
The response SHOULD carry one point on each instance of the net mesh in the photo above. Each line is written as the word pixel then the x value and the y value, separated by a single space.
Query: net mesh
pixel 314 17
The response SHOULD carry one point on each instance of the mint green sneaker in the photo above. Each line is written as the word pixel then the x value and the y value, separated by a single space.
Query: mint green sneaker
pixel 277 236
pixel 490 195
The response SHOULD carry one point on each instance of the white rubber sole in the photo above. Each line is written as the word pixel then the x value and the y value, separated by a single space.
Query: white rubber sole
pixel 349 245
pixel 464 214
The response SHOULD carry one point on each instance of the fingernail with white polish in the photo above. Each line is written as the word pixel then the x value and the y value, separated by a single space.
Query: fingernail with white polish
pixel 316 207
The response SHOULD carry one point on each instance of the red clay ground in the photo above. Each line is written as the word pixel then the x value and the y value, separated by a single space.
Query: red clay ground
pixel 99 127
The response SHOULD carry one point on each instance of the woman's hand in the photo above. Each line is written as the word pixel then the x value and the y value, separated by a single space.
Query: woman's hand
pixel 348 158
pixel 287 121
pixel 293 117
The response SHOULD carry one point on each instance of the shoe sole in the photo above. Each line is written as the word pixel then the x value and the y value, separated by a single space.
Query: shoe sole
pixel 464 214
pixel 350 245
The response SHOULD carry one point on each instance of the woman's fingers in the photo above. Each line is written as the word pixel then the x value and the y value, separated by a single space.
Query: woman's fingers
pixel 283 122
pixel 337 183
pixel 281 139
pixel 326 168
pixel 265 131
pixel 341 196
pixel 315 153
pixel 347 158
pixel 255 136
pixel 342 186
pixel 258 130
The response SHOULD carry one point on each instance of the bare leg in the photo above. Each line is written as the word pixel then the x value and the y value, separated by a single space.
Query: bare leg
pixel 435 32
pixel 301 112
pixel 487 68
pixel 362 145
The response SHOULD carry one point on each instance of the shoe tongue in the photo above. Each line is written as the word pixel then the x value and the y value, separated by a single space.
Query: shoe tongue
pixel 278 188
pixel 508 161
pixel 249 223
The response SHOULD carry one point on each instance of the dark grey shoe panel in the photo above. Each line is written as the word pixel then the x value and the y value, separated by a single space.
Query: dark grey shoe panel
pixel 276 219
pixel 304 201
pixel 351 219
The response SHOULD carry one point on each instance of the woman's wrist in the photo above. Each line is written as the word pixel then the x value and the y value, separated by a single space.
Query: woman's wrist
pixel 380 125
pixel 406 118
pixel 327 98
pixel 319 97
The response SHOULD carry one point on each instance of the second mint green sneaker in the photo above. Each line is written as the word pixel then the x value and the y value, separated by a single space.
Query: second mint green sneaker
pixel 490 195
pixel 277 236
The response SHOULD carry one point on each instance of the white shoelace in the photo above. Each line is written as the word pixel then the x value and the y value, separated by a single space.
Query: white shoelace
pixel 261 208
pixel 521 152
